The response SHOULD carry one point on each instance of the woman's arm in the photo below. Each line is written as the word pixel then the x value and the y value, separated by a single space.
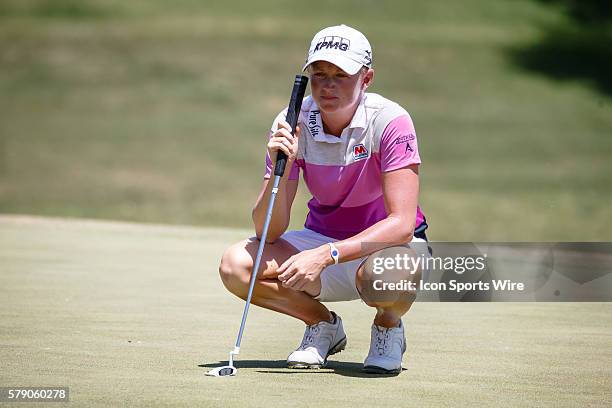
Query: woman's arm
pixel 401 193
pixel 281 213
pixel 284 141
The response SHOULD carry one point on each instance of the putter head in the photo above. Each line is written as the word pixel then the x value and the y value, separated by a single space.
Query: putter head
pixel 228 370
pixel 224 371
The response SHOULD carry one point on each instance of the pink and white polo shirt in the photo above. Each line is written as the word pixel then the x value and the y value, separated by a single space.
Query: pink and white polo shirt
pixel 343 174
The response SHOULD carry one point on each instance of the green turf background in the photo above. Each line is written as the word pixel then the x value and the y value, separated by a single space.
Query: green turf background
pixel 157 111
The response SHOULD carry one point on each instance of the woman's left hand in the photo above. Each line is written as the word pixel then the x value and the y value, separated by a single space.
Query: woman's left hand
pixel 302 269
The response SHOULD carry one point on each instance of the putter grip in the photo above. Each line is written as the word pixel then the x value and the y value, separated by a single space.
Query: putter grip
pixel 293 113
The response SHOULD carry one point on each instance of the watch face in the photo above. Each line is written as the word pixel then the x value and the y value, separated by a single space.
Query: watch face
pixel 335 253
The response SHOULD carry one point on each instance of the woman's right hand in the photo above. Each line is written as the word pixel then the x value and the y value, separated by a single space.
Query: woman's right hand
pixel 283 140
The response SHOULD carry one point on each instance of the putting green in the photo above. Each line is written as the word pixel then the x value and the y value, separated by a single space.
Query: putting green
pixel 128 314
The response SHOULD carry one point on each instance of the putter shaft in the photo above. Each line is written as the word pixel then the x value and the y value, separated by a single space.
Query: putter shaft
pixel 260 249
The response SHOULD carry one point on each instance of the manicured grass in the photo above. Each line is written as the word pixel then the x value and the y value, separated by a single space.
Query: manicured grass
pixel 135 315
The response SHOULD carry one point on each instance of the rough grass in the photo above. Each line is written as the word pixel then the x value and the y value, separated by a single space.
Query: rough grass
pixel 152 112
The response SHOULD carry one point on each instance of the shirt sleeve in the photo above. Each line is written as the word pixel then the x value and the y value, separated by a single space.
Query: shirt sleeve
pixel 398 145
pixel 294 173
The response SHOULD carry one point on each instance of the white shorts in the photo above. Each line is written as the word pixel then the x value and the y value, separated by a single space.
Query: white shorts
pixel 337 281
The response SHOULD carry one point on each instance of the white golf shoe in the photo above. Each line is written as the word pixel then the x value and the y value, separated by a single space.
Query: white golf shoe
pixel 320 341
pixel 386 349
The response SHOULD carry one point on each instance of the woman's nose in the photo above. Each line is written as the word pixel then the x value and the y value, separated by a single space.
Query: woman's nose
pixel 328 83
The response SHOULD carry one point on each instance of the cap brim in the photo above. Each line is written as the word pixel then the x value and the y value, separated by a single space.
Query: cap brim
pixel 346 64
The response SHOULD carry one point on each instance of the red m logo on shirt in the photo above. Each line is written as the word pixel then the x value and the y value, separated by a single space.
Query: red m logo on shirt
pixel 360 152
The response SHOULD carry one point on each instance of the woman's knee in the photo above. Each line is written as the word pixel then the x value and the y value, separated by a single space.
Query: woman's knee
pixel 383 281
pixel 235 268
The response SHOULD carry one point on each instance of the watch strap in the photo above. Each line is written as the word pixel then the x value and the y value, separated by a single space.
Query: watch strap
pixel 333 251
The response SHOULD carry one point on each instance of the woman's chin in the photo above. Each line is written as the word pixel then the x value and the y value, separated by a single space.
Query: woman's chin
pixel 328 106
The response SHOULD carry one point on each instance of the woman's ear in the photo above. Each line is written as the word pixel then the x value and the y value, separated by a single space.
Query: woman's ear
pixel 368 78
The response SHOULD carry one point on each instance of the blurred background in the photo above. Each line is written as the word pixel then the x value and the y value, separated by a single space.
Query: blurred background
pixel 158 111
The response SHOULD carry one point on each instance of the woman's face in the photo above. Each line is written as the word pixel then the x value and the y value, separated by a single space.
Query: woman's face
pixel 333 89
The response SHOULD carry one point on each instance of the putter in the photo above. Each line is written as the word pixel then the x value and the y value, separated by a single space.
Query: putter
pixel 293 112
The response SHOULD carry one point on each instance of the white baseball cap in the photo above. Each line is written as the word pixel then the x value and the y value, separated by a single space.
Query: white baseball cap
pixel 341 45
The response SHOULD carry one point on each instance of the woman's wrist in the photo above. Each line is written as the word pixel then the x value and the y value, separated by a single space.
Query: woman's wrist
pixel 326 254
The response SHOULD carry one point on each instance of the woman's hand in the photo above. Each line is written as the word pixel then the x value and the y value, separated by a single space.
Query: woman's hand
pixel 283 140
pixel 302 269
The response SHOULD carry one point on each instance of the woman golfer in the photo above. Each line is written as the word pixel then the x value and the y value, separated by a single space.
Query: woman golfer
pixel 359 157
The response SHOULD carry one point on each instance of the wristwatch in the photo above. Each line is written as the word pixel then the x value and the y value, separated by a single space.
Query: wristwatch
pixel 335 254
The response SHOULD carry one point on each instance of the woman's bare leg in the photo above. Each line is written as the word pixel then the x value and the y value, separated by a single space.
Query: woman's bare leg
pixel 390 305
pixel 268 292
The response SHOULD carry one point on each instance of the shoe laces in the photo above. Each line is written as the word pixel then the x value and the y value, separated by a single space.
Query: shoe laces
pixel 382 343
pixel 312 332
